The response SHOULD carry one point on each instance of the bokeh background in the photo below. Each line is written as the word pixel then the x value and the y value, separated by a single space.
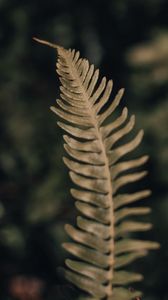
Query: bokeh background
pixel 128 41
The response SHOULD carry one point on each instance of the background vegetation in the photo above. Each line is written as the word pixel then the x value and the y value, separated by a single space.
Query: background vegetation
pixel 128 41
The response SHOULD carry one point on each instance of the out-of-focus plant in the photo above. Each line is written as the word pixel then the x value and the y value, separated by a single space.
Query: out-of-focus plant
pixel 24 288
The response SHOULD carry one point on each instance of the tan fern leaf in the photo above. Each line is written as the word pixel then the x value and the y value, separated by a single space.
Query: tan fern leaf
pixel 101 242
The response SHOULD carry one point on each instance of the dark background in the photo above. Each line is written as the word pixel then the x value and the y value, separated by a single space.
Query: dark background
pixel 128 41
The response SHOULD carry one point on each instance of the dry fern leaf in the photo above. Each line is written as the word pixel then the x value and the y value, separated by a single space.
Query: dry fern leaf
pixel 100 243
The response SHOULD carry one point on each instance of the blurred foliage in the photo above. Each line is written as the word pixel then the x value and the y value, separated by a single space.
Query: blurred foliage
pixel 128 41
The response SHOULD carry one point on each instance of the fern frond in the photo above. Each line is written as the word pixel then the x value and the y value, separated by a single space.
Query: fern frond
pixel 101 242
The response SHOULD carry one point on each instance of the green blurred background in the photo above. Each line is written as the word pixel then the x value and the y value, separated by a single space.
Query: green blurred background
pixel 128 41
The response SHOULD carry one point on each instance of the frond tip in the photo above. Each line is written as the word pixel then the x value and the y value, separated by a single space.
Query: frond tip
pixel 46 43
pixel 101 239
